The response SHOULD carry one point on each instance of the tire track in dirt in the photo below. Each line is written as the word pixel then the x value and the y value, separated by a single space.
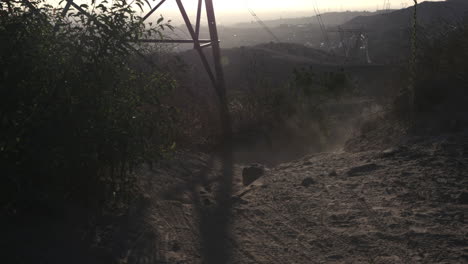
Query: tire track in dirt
pixel 387 247
pixel 255 248
pixel 260 225
pixel 178 234
pixel 326 231
pixel 317 235
pixel 242 252
pixel 322 235
pixel 256 242
pixel 345 242
pixel 363 218
pixel 381 224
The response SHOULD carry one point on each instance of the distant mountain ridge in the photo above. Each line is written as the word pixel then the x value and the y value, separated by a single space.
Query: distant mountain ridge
pixel 390 34
pixel 331 18
pixel 428 13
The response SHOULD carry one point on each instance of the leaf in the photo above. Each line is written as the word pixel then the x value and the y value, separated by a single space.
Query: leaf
pixel 160 20
pixel 139 5
pixel 102 7
pixel 173 146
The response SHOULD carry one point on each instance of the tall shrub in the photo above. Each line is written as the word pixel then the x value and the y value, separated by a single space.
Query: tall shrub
pixel 75 117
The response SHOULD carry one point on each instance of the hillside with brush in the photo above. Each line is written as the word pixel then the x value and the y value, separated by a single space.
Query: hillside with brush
pixel 117 151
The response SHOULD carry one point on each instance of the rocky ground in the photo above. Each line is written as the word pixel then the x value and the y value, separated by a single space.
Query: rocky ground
pixel 405 204
pixel 403 201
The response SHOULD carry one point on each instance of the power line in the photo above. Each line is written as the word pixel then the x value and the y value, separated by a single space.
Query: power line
pixel 321 24
pixel 387 5
pixel 265 27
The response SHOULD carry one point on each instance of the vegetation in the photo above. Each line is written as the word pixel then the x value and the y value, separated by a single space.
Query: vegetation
pixel 75 116
pixel 266 106
pixel 441 70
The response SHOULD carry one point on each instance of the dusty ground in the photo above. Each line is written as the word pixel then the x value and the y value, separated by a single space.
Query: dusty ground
pixel 407 204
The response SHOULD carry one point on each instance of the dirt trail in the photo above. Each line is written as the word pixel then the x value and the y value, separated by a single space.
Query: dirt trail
pixel 402 205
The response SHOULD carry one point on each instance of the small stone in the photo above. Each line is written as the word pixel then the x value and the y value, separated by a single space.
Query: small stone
pixel 175 247
pixel 307 182
pixel 333 173
pixel 389 152
pixel 405 173
pixel 252 173
pixel 363 169
pixel 441 180
pixel 335 257
pixel 206 201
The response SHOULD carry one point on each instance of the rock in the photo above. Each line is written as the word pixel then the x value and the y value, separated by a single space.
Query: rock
pixel 206 201
pixel 406 173
pixel 463 198
pixel 335 257
pixel 175 247
pixel 441 180
pixel 389 152
pixel 307 182
pixel 333 173
pixel 362 169
pixel 252 173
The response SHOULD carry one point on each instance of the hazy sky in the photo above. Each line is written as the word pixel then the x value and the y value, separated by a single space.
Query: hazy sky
pixel 231 11
pixel 270 5
pixel 240 5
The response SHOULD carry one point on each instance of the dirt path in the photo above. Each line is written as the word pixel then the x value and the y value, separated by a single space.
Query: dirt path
pixel 402 205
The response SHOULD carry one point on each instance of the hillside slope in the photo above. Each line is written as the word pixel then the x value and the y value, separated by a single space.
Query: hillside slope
pixel 406 204
pixel 329 18
pixel 390 34
pixel 403 205
pixel 428 13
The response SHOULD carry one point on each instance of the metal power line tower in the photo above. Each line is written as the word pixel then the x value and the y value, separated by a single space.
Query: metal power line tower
pixel 213 69
pixel 352 40
pixel 386 5
pixel 321 25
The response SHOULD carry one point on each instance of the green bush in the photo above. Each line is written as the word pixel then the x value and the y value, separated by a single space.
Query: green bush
pixel 75 117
